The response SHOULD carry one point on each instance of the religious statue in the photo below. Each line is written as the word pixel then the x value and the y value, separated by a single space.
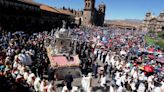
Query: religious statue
pixel 64 24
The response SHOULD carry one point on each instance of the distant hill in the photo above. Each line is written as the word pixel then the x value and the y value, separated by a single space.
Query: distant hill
pixel 133 21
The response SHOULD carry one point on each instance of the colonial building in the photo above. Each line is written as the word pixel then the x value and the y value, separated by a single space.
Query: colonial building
pixel 153 23
pixel 30 16
pixel 90 15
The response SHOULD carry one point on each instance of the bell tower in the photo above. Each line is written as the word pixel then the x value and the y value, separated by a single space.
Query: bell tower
pixel 102 8
pixel 88 12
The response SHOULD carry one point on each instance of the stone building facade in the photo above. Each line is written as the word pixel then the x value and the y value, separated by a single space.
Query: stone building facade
pixel 89 15
pixel 153 23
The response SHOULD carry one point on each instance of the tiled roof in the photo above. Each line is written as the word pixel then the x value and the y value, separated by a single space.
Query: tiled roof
pixel 66 12
pixel 30 2
pixel 48 8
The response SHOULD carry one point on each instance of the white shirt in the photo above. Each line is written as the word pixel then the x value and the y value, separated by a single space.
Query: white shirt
pixel 141 88
pixel 157 89
pixel 112 89
pixel 118 82
pixel 103 81
pixel 122 52
pixel 29 79
pixel 95 51
pixel 149 79
pixel 37 84
pixel 65 89
pixel 135 75
pixel 15 65
pixel 133 86
pixel 120 89
pixel 25 75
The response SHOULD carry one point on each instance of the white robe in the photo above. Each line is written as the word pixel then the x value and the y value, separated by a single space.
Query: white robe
pixel 103 81
pixel 65 89
pixel 120 89
pixel 112 89
pixel 86 83
pixel 141 88
pixel 157 89
pixel 133 86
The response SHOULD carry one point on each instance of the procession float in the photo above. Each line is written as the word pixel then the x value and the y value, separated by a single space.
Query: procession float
pixel 62 54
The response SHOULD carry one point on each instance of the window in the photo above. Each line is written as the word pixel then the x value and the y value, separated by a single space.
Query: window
pixel 88 4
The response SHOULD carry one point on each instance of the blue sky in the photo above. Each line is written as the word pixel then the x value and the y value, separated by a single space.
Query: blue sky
pixel 116 9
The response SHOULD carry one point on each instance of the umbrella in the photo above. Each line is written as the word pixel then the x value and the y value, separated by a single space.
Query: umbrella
pixel 110 40
pixel 150 49
pixel 109 45
pixel 161 60
pixel 151 56
pixel 141 67
pixel 148 68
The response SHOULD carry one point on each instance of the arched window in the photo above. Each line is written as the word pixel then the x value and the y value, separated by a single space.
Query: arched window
pixel 88 4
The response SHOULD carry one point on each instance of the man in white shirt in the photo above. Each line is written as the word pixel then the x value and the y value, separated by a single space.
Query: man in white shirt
pixel 141 88
pixel 121 88
pixel 103 81
pixel 157 89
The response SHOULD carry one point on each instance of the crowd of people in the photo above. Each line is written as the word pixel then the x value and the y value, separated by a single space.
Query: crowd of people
pixel 120 56
pixel 24 63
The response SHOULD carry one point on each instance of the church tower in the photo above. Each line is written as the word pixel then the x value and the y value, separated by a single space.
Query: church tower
pixel 88 12
pixel 101 14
